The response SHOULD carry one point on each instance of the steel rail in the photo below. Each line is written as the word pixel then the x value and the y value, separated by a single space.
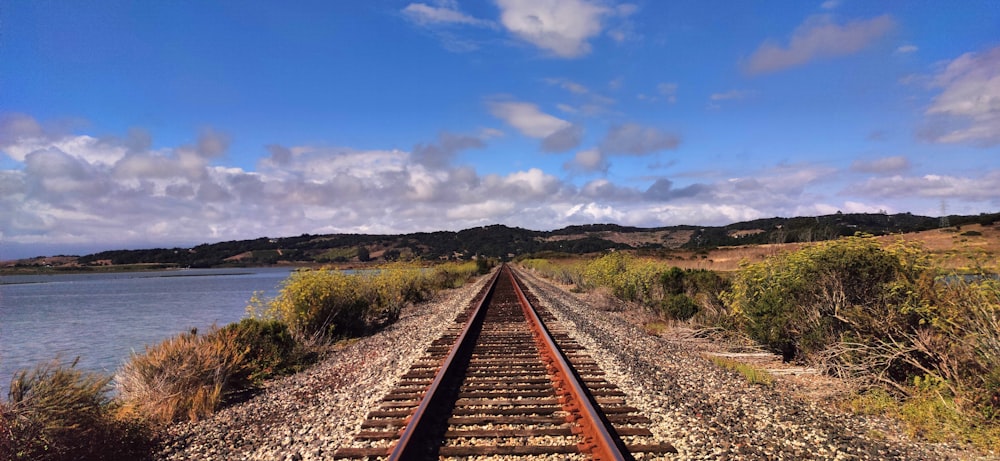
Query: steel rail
pixel 405 448
pixel 597 439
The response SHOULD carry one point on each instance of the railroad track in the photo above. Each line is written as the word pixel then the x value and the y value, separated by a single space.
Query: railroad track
pixel 501 383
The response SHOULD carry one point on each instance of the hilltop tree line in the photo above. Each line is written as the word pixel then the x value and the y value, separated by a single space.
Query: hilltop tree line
pixel 504 242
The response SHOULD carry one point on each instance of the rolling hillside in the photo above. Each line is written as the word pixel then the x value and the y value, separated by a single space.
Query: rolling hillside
pixel 705 245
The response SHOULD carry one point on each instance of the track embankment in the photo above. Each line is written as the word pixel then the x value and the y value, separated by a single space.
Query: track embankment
pixel 703 411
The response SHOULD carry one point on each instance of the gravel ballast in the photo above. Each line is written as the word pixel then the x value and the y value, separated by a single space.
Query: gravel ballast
pixel 710 413
pixel 702 410
pixel 309 415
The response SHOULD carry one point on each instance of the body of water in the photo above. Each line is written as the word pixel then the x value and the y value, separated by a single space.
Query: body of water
pixel 102 318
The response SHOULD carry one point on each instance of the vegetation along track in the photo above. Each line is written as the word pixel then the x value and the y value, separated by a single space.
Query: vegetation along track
pixel 501 383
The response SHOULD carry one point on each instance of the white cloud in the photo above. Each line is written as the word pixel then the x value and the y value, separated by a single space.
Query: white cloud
pixel 887 165
pixel 981 189
pixel 424 14
pixel 486 211
pixel 175 196
pixel 441 153
pixel 587 161
pixel 905 49
pixel 567 108
pixel 968 108
pixel 568 85
pixel 527 118
pixel 634 139
pixel 818 37
pixel 732 95
pixel 668 91
pixel 563 140
pixel 562 27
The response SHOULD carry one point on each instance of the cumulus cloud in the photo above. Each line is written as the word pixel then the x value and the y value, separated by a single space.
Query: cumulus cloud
pixel 16 128
pixel 563 139
pixel 527 118
pixel 589 160
pixel 561 27
pixel 635 139
pixel 818 37
pixel 934 186
pixel 968 108
pixel 64 192
pixel 887 165
pixel 211 143
pixel 626 139
pixel 441 153
pixel 663 190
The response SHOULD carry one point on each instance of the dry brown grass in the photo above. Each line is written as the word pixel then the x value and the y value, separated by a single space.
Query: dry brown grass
pixel 958 249
pixel 951 249
pixel 184 376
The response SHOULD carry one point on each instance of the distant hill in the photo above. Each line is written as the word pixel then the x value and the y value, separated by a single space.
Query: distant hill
pixel 504 242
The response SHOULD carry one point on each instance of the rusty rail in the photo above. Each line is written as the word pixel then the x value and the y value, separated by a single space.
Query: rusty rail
pixel 598 440
pixel 405 449
pixel 502 382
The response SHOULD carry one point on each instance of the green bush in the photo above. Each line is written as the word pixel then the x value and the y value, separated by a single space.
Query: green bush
pixel 672 281
pixel 878 315
pixel 800 303
pixel 679 307
pixel 320 304
pixel 671 292
pixel 270 350
pixel 324 305
pixel 629 278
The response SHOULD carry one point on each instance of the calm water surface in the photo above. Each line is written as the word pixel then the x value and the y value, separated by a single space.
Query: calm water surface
pixel 102 318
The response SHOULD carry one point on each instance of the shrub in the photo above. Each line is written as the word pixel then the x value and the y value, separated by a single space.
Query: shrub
pixel 879 316
pixel 320 304
pixel 185 376
pixel 678 307
pixel 58 412
pixel 324 305
pixel 630 279
pixel 800 303
pixel 270 350
pixel 454 275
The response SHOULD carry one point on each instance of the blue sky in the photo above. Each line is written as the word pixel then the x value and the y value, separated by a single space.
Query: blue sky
pixel 137 124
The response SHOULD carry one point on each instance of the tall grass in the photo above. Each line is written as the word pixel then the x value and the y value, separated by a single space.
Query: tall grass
pixel 55 411
pixel 185 376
